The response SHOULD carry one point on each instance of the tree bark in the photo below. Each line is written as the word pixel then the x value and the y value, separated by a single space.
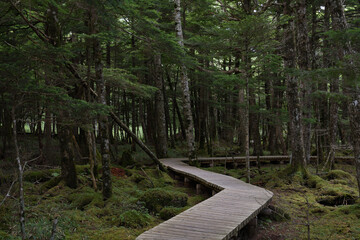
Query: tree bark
pixel 295 116
pixel 103 119
pixel 304 64
pixel 189 123
pixel 20 177
pixel 161 141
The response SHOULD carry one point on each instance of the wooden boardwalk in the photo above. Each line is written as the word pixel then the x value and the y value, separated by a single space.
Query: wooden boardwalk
pixel 220 216
pixel 263 159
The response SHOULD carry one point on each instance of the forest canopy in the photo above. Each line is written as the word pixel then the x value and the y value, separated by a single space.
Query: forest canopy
pixel 257 78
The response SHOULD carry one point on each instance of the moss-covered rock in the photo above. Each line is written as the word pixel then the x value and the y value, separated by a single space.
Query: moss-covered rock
pixel 79 200
pixel 127 159
pixel 314 181
pixel 336 194
pixel 157 198
pixel 50 184
pixel 169 212
pixel 340 177
pixel 134 219
pixel 338 174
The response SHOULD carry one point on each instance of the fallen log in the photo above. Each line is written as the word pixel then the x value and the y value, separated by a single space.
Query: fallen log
pixel 138 141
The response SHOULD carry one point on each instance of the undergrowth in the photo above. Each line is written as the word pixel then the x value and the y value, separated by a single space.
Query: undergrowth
pixel 330 199
pixel 83 214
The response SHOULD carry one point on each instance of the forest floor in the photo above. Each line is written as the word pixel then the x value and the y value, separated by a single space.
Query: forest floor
pixel 143 197
pixel 327 204
pixel 82 213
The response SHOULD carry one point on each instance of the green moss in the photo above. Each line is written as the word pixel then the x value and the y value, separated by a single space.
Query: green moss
pixel 79 200
pixel 50 184
pixel 5 236
pixel 5 216
pixel 179 199
pixel 127 159
pixel 134 219
pixel 193 200
pixel 169 212
pixel 314 181
pixel 319 210
pixel 40 176
pixel 137 178
pixel 338 174
pixel 157 198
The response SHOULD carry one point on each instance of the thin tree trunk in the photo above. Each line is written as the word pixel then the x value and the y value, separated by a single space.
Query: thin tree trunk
pixel 103 119
pixel 92 157
pixel 354 112
pixel 161 141
pixel 20 177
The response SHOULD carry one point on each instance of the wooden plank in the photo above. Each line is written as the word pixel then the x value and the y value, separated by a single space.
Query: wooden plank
pixel 219 217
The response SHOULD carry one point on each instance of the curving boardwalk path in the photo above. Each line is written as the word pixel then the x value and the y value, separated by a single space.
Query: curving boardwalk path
pixel 220 216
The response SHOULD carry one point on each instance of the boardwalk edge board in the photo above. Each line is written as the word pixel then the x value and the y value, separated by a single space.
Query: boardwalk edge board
pixel 196 222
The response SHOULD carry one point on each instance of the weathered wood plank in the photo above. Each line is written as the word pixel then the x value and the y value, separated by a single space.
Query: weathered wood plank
pixel 219 217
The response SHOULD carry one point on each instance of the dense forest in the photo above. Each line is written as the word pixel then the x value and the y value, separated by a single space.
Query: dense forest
pixel 91 83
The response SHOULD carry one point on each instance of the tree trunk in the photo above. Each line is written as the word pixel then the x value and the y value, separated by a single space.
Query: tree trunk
pixel 161 140
pixel 303 63
pixel 103 119
pixel 68 170
pixel 295 116
pixel 20 177
pixel 189 124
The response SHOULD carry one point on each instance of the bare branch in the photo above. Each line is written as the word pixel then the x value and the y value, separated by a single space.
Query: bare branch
pixel 8 193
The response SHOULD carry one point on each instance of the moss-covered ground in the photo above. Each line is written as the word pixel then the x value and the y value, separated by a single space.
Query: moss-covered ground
pixel 139 202
pixel 327 202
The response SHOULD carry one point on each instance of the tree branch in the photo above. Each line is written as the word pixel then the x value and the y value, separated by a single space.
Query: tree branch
pixel 39 33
